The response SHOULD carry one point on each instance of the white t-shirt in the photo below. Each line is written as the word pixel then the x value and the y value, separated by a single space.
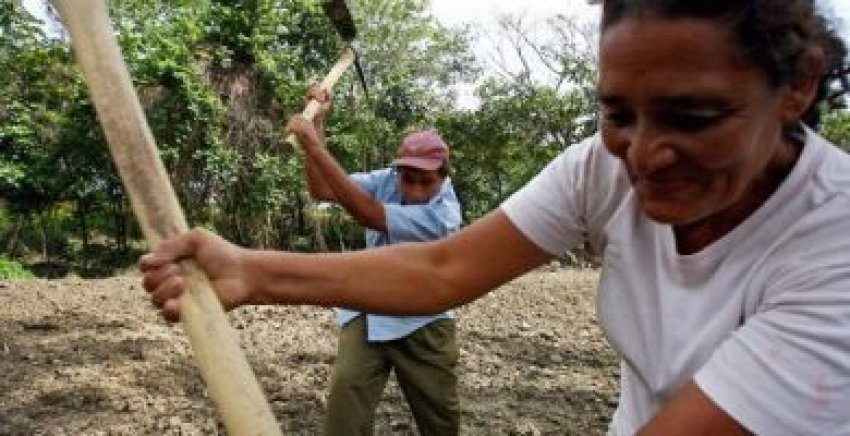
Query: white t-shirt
pixel 760 319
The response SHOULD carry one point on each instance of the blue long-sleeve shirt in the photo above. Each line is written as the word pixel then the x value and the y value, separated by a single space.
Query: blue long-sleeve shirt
pixel 405 223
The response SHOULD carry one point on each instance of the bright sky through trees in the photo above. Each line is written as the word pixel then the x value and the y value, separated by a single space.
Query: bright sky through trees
pixel 482 16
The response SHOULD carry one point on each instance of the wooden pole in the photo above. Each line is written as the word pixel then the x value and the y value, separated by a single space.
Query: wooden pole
pixel 342 65
pixel 232 386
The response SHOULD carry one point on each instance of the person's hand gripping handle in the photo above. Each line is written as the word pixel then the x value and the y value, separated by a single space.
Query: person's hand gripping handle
pixel 342 65
pixel 230 381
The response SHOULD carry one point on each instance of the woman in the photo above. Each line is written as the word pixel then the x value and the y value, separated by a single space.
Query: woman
pixel 723 222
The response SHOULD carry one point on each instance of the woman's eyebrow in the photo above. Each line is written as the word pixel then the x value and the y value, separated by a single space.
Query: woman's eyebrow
pixel 674 102
pixel 610 100
pixel 692 102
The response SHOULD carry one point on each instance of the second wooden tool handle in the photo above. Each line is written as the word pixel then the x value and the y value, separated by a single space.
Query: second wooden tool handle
pixel 342 65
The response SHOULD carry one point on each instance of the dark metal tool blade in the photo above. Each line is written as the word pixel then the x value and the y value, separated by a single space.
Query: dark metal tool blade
pixel 340 16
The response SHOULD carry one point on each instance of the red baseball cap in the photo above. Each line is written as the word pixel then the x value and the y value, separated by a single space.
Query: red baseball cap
pixel 423 149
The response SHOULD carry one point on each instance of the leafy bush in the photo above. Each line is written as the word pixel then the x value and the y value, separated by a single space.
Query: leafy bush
pixel 9 269
pixel 836 128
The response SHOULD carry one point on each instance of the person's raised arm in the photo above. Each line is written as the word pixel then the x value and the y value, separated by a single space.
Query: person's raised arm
pixel 401 279
pixel 321 165
pixel 316 185
pixel 319 190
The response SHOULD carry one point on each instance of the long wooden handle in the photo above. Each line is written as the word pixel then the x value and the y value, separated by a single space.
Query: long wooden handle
pixel 342 65
pixel 242 405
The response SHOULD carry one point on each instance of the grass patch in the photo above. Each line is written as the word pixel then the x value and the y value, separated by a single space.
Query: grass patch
pixel 11 270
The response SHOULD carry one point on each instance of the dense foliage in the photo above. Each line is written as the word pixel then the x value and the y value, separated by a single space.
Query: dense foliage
pixel 218 80
pixel 836 126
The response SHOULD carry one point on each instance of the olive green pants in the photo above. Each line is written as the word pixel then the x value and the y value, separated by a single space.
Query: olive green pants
pixel 424 363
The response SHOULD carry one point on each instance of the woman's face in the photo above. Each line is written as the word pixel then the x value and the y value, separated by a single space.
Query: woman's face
pixel 697 126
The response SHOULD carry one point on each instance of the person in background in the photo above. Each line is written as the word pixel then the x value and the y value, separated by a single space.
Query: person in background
pixel 723 221
pixel 410 201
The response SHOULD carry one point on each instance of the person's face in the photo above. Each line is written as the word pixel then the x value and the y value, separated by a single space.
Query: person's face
pixel 694 123
pixel 418 186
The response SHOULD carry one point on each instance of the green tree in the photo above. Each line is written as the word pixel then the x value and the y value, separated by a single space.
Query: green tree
pixel 218 81
pixel 836 127
pixel 540 101
pixel 37 90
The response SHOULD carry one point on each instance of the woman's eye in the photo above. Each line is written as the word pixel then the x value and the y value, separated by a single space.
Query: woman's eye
pixel 690 122
pixel 618 118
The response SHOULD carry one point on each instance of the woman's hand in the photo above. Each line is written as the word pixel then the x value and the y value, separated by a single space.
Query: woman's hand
pixel 223 263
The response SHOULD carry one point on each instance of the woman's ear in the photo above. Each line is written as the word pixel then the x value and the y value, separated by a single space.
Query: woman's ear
pixel 801 92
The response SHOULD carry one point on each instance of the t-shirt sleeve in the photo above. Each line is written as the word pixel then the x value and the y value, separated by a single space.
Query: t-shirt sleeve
pixel 417 223
pixel 371 181
pixel 787 369
pixel 570 200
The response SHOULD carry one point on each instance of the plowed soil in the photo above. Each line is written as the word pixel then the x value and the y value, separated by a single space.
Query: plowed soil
pixel 92 357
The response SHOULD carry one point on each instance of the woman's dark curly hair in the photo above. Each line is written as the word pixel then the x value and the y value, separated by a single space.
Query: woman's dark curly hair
pixel 776 34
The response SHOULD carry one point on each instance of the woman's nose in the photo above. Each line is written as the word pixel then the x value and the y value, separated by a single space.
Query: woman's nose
pixel 648 151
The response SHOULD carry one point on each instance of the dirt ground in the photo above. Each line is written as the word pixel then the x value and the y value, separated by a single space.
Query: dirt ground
pixel 91 357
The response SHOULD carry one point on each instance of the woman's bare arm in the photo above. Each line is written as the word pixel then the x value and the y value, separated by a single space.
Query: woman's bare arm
pixel 402 279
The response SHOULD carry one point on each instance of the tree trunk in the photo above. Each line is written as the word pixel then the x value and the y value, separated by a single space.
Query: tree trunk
pixel 12 243
pixel 320 245
pixel 82 213
pixel 45 251
pixel 301 223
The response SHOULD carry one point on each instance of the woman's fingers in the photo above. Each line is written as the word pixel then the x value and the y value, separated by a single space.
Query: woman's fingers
pixel 165 283
pixel 166 296
pixel 171 310
pixel 152 261
pixel 164 279
pixel 154 277
pixel 171 287
pixel 164 257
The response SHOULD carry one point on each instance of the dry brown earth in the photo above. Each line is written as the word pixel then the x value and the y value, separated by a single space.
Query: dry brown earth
pixel 91 357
